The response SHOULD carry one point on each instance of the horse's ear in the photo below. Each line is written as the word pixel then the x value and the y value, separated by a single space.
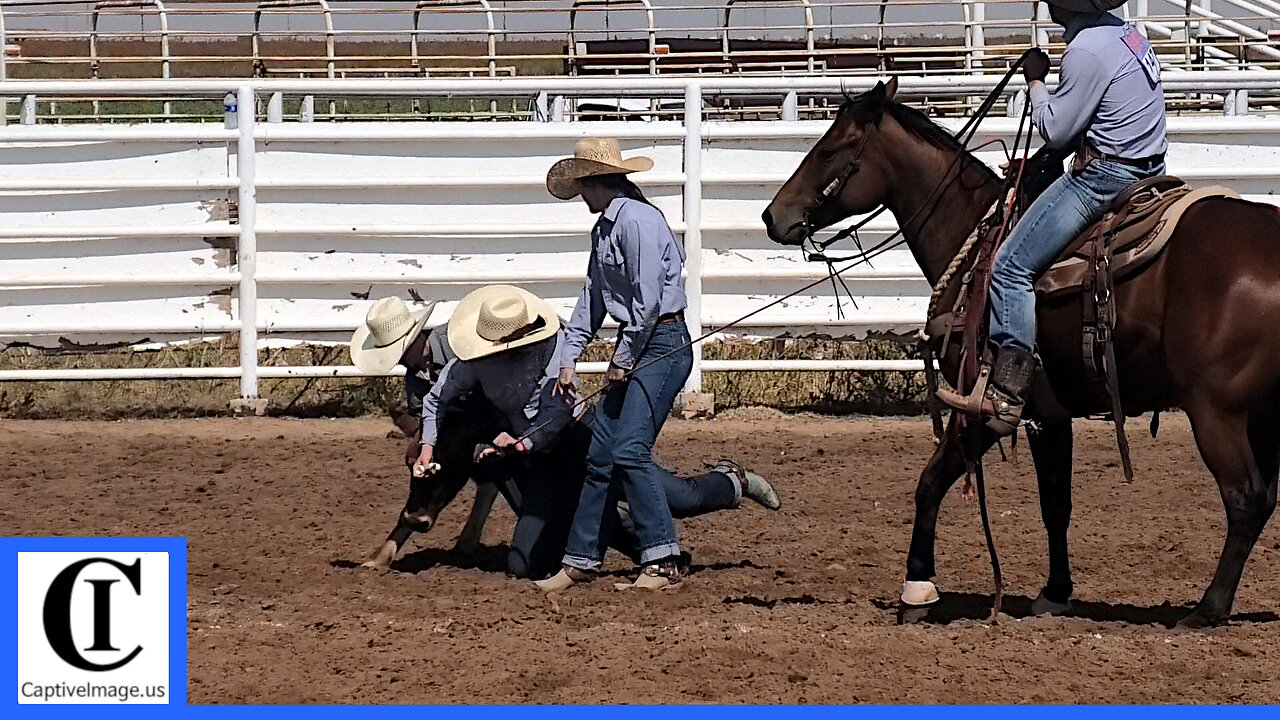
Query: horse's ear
pixel 891 88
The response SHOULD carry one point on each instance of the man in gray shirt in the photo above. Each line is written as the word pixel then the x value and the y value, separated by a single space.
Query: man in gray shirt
pixel 1110 105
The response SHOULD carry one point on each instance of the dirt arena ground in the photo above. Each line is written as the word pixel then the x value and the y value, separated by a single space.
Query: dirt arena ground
pixel 793 606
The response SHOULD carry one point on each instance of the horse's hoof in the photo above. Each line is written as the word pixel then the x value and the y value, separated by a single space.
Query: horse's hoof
pixel 466 550
pixel 1199 620
pixel 918 593
pixel 1044 606
pixel 382 558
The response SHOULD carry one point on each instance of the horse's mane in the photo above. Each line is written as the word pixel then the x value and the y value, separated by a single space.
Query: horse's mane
pixel 919 125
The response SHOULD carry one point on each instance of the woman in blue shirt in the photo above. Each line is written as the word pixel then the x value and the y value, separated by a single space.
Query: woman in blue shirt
pixel 634 275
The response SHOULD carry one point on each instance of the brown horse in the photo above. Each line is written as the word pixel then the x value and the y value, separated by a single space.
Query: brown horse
pixel 1198 329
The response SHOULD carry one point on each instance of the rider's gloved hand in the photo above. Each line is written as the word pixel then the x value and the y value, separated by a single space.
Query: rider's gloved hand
pixel 1036 65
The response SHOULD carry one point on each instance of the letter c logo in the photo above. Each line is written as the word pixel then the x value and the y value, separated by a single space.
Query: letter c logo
pixel 57 613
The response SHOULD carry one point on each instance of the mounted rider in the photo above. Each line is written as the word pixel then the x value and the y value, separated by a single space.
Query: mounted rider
pixel 1109 103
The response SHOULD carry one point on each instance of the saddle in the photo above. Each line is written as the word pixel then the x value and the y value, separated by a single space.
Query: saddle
pixel 1131 234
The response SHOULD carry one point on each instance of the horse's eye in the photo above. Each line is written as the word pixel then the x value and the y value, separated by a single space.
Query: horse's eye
pixel 826 153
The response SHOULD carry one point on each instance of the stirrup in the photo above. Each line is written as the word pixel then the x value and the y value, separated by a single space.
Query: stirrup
pixel 972 405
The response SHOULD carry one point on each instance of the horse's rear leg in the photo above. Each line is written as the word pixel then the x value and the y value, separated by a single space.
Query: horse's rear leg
pixel 1249 496
pixel 469 541
pixel 1050 444
pixel 944 468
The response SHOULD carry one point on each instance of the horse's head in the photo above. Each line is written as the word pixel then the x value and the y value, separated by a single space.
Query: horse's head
pixel 842 175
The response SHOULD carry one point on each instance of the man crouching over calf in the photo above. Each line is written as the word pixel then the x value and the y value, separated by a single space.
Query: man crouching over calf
pixel 500 391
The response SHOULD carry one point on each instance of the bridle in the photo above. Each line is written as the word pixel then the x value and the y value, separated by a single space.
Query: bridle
pixel 833 189
pixel 815 251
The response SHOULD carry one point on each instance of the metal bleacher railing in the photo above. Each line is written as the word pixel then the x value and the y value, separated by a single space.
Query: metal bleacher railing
pixel 57 39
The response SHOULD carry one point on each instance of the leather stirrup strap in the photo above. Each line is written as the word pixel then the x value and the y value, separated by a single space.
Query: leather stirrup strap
pixel 974 406
pixel 1106 315
pixel 1117 412
pixel 931 383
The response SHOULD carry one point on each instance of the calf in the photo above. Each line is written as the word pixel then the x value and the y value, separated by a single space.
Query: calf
pixel 470 422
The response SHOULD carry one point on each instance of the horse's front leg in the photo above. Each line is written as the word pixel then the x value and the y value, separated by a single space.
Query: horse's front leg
pixel 944 468
pixel 1050 443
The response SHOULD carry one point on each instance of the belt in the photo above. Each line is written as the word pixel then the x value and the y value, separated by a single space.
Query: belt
pixel 1145 163
pixel 671 317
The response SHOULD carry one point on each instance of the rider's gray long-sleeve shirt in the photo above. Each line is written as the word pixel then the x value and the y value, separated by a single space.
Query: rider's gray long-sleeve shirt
pixel 1109 85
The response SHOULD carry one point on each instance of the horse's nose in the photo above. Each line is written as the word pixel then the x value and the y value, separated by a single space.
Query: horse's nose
pixel 768 220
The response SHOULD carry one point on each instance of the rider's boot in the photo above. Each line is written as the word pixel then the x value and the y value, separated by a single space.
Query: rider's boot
pixel 1000 393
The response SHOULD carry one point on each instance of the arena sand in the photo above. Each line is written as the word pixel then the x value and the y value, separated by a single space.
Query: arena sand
pixel 793 606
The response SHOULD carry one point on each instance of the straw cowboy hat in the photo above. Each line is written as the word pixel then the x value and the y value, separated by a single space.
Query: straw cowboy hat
pixel 1087 6
pixel 591 157
pixel 388 329
pixel 497 318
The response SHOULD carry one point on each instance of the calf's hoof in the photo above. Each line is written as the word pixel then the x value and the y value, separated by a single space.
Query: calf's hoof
pixel 919 593
pixel 1044 606
pixel 382 557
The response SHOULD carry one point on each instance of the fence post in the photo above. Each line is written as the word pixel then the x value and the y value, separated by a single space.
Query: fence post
pixel 978 47
pixel 28 115
pixel 791 106
pixel 1040 20
pixel 247 255
pixel 541 107
pixel 693 401
pixel 275 108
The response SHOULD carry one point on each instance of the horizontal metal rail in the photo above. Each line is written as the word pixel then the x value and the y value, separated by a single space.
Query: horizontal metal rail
pixel 1173 80
pixel 347 371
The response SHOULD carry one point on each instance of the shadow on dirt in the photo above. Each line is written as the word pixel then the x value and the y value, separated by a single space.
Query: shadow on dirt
pixel 975 606
pixel 493 558
pixel 487 558
pixel 771 603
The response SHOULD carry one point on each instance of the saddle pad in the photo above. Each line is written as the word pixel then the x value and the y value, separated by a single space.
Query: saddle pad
pixel 1133 246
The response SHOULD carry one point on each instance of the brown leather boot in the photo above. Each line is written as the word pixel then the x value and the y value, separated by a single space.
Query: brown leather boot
pixel 999 395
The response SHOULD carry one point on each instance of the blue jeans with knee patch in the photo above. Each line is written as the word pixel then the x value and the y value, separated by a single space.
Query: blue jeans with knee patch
pixel 620 461
pixel 1064 210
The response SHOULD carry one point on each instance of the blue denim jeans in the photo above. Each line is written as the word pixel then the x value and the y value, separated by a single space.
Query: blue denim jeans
pixel 550 485
pixel 1065 209
pixel 700 494
pixel 620 461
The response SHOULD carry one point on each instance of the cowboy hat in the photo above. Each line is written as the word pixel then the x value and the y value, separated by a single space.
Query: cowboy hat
pixel 591 157
pixel 388 329
pixel 1087 6
pixel 497 318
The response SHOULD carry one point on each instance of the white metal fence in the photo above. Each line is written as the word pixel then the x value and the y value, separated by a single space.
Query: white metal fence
pixel 334 38
pixel 282 231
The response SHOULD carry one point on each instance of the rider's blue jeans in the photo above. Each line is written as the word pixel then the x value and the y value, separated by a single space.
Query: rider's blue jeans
pixel 1065 209
pixel 620 461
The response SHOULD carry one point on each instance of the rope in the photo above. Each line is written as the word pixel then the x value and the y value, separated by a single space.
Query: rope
pixel 960 259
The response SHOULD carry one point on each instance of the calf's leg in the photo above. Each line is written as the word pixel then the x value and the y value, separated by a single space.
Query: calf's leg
pixel 469 540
